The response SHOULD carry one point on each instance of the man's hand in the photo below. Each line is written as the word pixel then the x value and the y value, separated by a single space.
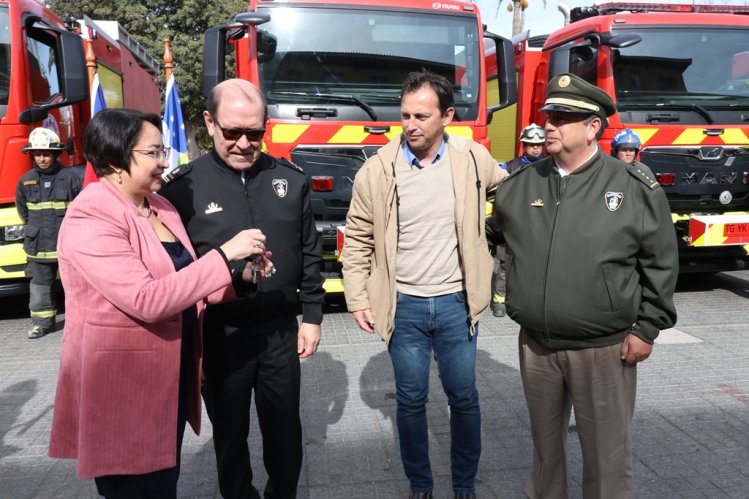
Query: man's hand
pixel 364 319
pixel 307 339
pixel 260 268
pixel 635 350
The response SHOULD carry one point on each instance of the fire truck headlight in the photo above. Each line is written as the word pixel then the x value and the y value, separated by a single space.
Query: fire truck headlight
pixel 12 233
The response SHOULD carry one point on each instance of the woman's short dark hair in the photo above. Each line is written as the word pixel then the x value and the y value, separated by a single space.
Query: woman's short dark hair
pixel 109 139
pixel 436 82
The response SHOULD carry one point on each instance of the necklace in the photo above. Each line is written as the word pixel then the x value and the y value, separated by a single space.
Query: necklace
pixel 148 209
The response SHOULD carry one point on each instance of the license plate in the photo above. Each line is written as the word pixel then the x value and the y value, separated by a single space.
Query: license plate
pixel 736 230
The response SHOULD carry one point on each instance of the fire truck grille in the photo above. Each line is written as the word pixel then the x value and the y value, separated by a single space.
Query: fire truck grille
pixel 338 164
pixel 705 178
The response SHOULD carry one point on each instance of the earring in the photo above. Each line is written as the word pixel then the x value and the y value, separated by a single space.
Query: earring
pixel 119 178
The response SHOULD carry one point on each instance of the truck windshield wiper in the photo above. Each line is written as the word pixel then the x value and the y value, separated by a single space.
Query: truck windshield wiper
pixel 334 98
pixel 660 106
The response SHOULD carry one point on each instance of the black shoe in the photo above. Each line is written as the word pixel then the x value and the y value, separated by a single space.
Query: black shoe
pixel 37 332
pixel 498 309
pixel 420 495
pixel 465 495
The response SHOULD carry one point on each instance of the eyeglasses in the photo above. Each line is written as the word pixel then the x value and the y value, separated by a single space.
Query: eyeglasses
pixel 158 155
pixel 234 134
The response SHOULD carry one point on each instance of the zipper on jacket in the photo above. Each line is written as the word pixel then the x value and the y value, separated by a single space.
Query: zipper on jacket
pixel 557 207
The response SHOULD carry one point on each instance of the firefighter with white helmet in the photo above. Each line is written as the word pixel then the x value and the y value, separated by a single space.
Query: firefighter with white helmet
pixel 532 137
pixel 42 197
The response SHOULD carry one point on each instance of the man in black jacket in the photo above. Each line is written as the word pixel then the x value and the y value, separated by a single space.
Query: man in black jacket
pixel 591 271
pixel 254 343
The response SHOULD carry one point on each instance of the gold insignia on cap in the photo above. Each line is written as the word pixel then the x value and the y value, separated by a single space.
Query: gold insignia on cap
pixel 537 203
pixel 564 81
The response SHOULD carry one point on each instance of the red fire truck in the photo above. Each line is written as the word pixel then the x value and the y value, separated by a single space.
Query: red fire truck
pixel 679 75
pixel 332 70
pixel 44 82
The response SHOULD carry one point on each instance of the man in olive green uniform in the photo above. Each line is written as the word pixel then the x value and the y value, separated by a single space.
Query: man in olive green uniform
pixel 591 270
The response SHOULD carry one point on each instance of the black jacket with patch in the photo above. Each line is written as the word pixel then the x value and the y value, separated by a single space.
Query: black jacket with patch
pixel 215 204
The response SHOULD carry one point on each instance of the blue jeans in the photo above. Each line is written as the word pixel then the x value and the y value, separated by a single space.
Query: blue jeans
pixel 437 324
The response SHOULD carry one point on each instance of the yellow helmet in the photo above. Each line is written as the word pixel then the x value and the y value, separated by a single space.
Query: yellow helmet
pixel 43 139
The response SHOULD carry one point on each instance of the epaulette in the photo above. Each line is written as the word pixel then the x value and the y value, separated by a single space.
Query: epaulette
pixel 289 164
pixel 643 176
pixel 520 169
pixel 177 172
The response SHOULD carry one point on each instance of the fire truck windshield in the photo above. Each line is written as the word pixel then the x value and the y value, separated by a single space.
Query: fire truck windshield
pixel 4 60
pixel 692 69
pixel 360 58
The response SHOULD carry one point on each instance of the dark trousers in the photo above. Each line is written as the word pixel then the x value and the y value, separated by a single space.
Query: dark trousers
pixel 262 359
pixel 42 302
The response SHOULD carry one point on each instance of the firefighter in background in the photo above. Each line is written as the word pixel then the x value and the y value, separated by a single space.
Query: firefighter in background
pixel 42 197
pixel 532 137
pixel 626 147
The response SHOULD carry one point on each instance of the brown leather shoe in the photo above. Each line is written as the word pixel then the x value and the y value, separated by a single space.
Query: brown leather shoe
pixel 465 495
pixel 420 495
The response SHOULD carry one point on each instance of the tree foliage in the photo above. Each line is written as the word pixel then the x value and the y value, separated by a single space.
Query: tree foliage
pixel 150 21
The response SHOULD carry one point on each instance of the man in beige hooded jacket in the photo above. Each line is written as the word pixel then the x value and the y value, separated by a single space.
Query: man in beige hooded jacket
pixel 417 271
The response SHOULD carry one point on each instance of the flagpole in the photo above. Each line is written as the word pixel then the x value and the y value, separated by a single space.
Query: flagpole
pixel 168 59
pixel 90 56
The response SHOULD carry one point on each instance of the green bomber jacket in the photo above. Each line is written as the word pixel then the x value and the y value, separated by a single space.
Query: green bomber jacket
pixel 591 256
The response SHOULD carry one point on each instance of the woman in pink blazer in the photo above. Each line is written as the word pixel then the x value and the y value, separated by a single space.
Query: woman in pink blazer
pixel 134 297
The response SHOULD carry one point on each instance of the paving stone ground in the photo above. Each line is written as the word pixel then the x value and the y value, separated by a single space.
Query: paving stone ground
pixel 691 427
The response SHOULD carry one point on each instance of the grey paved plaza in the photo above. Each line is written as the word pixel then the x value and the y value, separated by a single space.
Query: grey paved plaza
pixel 691 428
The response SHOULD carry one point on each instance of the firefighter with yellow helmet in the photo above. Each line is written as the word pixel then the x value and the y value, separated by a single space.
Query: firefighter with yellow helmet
pixel 42 197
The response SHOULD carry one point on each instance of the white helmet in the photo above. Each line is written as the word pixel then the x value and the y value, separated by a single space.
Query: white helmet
pixel 43 139
pixel 532 134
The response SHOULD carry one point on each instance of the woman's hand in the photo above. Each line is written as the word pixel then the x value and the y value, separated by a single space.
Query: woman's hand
pixel 246 244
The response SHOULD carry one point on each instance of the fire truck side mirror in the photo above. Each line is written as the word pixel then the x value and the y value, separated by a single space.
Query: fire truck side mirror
pixel 508 85
pixel 71 65
pixel 214 46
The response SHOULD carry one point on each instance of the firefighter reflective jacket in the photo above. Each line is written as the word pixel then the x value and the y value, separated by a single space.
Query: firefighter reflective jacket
pixel 42 198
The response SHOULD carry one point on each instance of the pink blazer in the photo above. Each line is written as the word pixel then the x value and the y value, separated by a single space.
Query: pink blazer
pixel 116 402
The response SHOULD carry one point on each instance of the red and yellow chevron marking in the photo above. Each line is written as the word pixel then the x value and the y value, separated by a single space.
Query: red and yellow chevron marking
pixel 675 135
pixel 291 135
pixel 719 230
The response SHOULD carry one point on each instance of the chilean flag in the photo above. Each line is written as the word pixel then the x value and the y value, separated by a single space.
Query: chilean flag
pixel 173 127
pixel 97 104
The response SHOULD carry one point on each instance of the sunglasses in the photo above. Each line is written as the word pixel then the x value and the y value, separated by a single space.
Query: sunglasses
pixel 234 134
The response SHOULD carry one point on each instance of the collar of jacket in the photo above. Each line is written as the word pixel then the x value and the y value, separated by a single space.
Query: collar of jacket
pixel 587 168
pixel 52 170
pixel 262 163
pixel 389 152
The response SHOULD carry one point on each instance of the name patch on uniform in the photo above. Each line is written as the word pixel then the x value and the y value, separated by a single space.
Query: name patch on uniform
pixel 280 186
pixel 613 200
pixel 30 182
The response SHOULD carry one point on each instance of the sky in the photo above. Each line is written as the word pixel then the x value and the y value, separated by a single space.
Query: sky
pixel 542 20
